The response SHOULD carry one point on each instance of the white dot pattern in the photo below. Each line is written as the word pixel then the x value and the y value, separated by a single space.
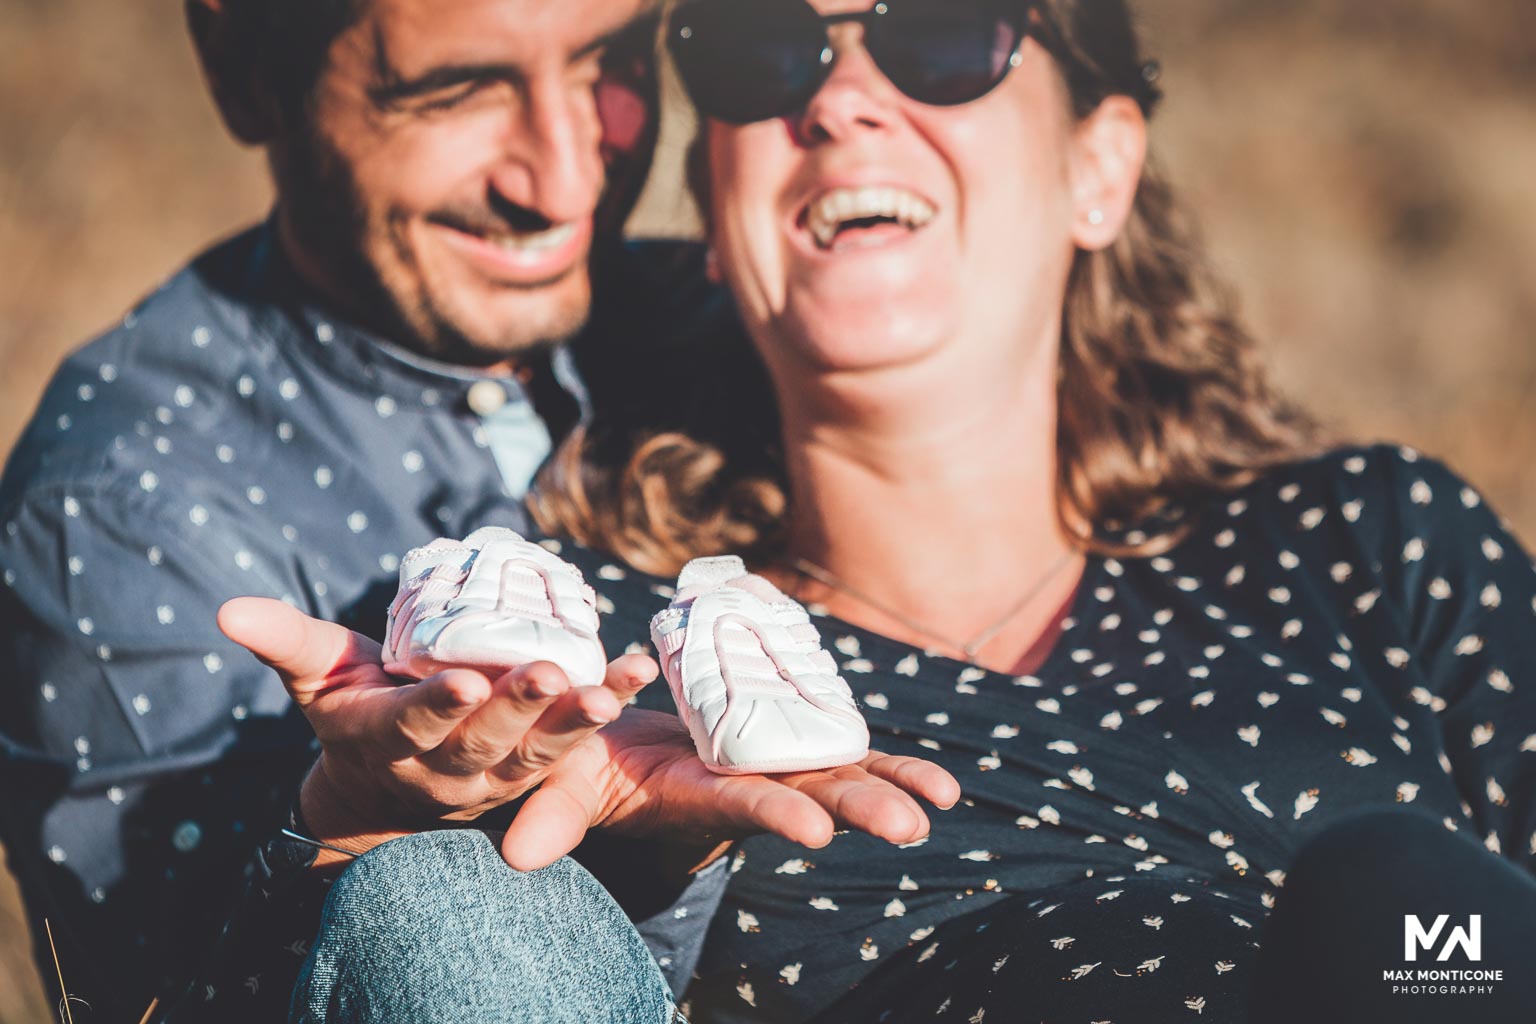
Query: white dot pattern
pixel 224 440
pixel 1131 807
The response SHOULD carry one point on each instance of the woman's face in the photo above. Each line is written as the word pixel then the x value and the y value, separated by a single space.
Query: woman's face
pixel 988 204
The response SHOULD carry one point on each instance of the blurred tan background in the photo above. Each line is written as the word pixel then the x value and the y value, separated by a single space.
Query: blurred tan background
pixel 1365 173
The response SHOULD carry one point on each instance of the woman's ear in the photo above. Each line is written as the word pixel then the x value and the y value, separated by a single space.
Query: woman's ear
pixel 246 102
pixel 1109 149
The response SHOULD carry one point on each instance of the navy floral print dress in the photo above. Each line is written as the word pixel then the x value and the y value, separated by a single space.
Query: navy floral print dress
pixel 1353 632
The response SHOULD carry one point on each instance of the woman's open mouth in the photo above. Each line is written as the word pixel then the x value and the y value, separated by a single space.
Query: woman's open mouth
pixel 863 217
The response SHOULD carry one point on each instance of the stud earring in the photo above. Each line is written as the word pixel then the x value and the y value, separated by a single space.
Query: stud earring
pixel 1095 217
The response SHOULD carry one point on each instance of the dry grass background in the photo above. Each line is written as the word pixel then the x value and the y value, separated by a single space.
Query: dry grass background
pixel 1365 173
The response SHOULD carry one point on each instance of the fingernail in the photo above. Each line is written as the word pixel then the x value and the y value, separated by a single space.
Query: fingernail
pixel 548 687
pixel 597 718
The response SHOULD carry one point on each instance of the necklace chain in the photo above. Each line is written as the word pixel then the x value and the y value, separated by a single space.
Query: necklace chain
pixel 971 650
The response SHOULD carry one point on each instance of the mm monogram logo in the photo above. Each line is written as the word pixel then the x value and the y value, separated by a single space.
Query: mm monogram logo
pixel 1470 939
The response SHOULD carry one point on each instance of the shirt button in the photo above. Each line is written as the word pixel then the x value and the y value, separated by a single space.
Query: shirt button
pixel 486 398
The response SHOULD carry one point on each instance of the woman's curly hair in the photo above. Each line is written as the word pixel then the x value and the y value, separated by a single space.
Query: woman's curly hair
pixel 1162 399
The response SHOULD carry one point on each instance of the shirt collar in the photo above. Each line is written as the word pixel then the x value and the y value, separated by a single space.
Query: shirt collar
pixel 288 310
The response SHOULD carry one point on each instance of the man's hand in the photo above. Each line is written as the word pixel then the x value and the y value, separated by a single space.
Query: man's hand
pixel 396 758
pixel 399 758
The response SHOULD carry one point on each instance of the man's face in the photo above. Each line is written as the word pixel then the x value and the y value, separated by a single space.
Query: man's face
pixel 445 187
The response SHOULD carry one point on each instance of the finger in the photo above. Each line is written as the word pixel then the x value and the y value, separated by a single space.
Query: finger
pixel 569 720
pixel 855 799
pixel 551 823
pixel 490 734
pixel 746 804
pixel 630 674
pixel 679 798
pixel 307 653
pixel 425 714
pixel 916 776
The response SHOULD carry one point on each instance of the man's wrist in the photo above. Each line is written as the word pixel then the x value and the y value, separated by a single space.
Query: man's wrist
pixel 330 821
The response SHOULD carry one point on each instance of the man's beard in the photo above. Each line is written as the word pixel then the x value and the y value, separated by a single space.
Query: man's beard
pixel 326 219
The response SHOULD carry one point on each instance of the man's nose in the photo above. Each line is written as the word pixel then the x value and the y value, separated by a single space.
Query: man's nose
pixel 552 163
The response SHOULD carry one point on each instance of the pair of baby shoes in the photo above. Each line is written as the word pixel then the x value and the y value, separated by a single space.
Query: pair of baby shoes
pixel 746 666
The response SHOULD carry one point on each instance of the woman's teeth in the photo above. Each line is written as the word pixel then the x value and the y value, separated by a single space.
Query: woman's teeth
pixel 840 208
pixel 524 243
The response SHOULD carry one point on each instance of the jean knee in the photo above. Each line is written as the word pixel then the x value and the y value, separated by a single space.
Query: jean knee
pixel 436 927
pixel 435 879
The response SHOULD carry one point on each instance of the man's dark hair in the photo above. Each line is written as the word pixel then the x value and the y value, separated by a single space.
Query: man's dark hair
pixel 286 41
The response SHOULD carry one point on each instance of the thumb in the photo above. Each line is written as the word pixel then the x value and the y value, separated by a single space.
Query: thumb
pixel 304 651
pixel 551 823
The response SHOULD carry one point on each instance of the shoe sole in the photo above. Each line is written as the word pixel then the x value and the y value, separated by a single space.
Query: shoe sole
pixel 818 764
pixel 424 666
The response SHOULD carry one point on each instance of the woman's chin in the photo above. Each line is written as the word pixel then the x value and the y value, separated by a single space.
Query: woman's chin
pixel 854 337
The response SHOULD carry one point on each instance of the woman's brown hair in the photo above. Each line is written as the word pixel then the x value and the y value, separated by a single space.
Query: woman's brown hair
pixel 1162 399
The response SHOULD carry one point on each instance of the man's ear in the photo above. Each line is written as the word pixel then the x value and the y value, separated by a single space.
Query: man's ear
pixel 246 101
pixel 1109 151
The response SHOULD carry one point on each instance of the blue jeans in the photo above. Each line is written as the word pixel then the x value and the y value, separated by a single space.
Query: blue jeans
pixel 436 928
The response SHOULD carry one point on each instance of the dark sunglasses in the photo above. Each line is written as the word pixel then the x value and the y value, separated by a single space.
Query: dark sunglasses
pixel 753 60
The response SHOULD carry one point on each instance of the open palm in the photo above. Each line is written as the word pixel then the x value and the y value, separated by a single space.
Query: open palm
pixel 398 759
pixel 642 776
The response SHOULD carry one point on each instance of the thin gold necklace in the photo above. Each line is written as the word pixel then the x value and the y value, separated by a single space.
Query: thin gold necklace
pixel 972 650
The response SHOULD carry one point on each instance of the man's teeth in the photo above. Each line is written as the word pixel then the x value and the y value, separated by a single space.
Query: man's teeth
pixel 833 210
pixel 534 242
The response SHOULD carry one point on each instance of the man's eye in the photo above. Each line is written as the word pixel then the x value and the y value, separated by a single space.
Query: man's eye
pixel 451 97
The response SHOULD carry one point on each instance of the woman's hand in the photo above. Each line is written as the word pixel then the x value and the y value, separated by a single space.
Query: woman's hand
pixel 641 776
pixel 399 758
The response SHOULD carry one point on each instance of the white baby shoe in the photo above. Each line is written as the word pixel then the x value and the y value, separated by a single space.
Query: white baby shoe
pixel 492 602
pixel 752 682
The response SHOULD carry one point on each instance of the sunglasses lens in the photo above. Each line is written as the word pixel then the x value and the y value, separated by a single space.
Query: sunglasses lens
pixel 748 60
pixel 945 52
pixel 626 90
